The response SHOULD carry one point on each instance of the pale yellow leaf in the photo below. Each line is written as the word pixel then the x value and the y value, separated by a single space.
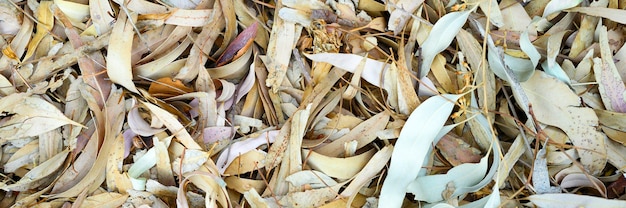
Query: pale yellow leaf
pixel 193 18
pixel 38 175
pixel 555 104
pixel 75 11
pixel 177 129
pixel 105 200
pixel 119 53
pixel 29 115
pixel 364 133
pixel 341 168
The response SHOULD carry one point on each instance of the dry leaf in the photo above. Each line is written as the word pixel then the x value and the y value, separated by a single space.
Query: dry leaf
pixel 118 56
pixel 228 120
pixel 27 115
pixel 555 104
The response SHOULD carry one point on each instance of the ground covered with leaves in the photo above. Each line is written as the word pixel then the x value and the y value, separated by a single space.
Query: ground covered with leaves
pixel 308 103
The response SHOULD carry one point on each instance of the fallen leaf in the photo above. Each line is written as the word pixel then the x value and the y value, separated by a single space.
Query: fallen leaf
pixel 572 200
pixel 27 115
pixel 555 104
pixel 119 51
pixel 424 122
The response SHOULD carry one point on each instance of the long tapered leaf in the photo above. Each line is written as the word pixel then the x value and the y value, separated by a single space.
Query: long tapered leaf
pixel 413 146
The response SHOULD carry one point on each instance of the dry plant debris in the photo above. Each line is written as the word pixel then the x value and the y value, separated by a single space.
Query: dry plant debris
pixel 310 103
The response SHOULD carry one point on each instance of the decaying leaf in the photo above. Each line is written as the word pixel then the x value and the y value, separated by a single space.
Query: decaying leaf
pixel 555 104
pixel 26 115
pixel 119 51
pixel 218 108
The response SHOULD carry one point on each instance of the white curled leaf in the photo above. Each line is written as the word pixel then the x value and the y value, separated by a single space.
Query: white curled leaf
pixel 558 6
pixel 529 49
pixel 372 72
pixel 409 153
pixel 140 126
pixel 550 66
pixel 440 37
pixel 430 188
pixel 522 68
pixel 241 147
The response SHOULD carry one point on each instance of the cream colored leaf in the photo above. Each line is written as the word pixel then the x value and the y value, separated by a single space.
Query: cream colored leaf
pixel 282 41
pixel 28 116
pixel 616 15
pixel 550 66
pixel 177 129
pixel 616 154
pixel 158 68
pixel 95 176
pixel 143 6
pixel 373 166
pixel 242 147
pixel 255 199
pixel 401 11
pixel 294 15
pixel 610 83
pixel 573 201
pixel 105 200
pixel 25 155
pixel 514 16
pixel 492 9
pixel 364 134
pixel 246 162
pixel 576 180
pixel 119 53
pixel 192 18
pixel 11 22
pixel 313 178
pixel 341 168
pixel 116 179
pixel 75 11
pixel 243 185
pixel 555 104
pixel 38 175
pixel 310 198
pixel 99 10
pixel 192 160
pixel 81 165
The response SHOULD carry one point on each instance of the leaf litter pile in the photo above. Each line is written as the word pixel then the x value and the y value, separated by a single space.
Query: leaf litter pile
pixel 308 103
